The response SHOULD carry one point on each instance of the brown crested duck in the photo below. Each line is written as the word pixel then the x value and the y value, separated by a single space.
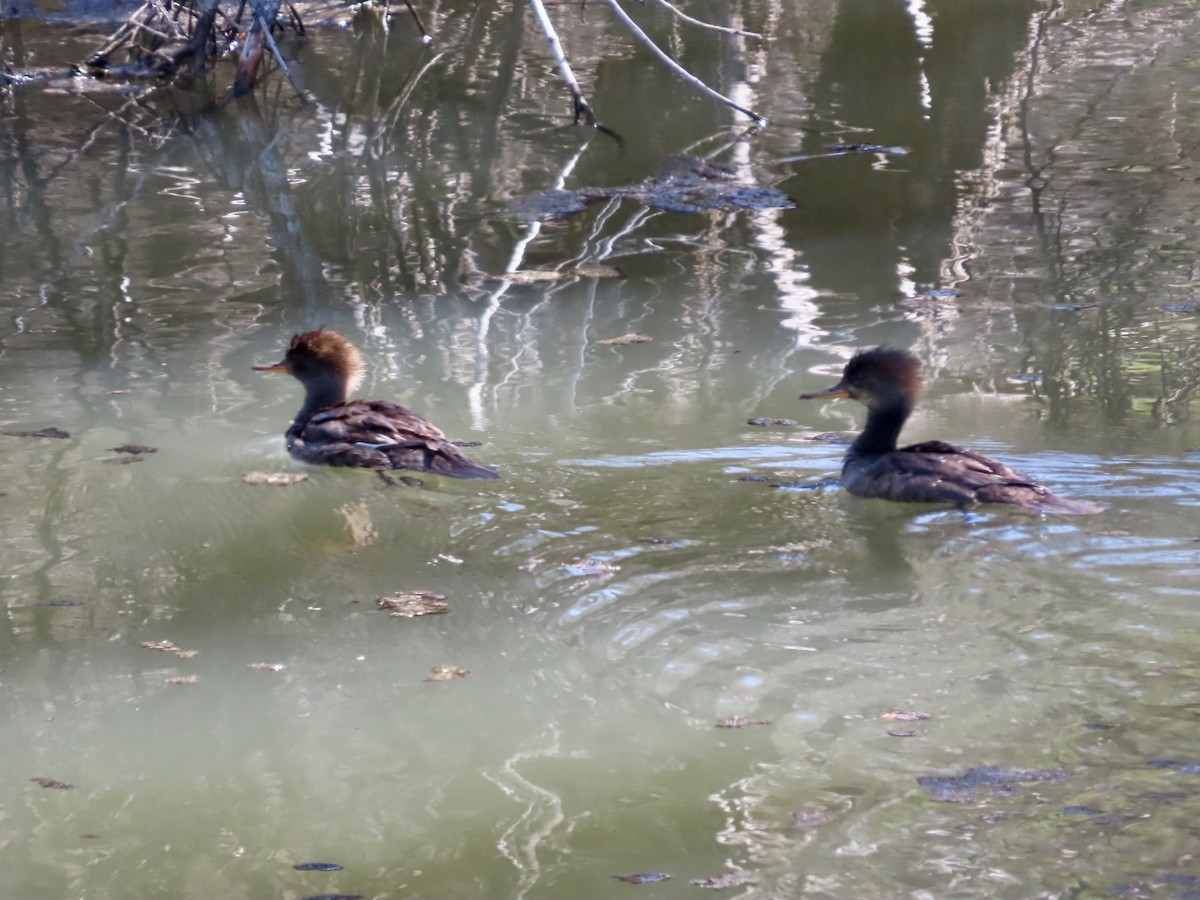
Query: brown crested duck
pixel 887 381
pixel 367 434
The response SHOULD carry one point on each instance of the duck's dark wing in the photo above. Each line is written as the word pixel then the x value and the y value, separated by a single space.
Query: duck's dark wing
pixel 937 472
pixel 378 434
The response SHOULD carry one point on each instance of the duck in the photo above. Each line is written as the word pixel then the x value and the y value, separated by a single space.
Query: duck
pixel 366 434
pixel 887 381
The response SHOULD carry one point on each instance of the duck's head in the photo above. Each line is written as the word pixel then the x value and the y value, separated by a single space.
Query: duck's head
pixel 877 377
pixel 315 357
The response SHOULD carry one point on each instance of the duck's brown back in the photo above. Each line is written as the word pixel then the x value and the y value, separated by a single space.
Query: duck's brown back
pixel 379 434
pixel 937 472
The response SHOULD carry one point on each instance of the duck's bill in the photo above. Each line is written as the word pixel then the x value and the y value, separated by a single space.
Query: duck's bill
pixel 281 367
pixel 838 390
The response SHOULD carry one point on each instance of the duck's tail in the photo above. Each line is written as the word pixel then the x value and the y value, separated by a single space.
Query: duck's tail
pixel 1062 506
pixel 439 458
pixel 1032 496
pixel 450 462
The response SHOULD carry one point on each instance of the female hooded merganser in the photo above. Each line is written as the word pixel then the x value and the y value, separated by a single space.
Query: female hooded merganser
pixel 368 434
pixel 888 381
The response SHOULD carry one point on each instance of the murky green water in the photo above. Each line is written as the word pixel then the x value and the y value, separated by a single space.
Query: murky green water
pixel 623 590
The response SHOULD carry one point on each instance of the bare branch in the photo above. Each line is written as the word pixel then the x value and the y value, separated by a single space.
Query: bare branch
pixel 582 109
pixel 691 21
pixel 282 64
pixel 674 66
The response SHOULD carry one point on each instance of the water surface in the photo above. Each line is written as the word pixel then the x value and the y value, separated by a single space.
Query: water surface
pixel 625 589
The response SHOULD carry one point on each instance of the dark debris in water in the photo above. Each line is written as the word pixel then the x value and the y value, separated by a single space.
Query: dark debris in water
pixel 51 783
pixel 317 867
pixel 410 604
pixel 962 788
pixel 1187 766
pixel 552 204
pixel 684 184
pixel 643 877
pixel 740 722
pixel 447 673
pixel 48 432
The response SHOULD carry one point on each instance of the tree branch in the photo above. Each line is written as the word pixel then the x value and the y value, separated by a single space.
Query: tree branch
pixel 679 12
pixel 582 109
pixel 676 67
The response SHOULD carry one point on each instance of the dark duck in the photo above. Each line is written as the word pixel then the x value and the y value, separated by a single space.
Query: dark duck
pixel 887 381
pixel 367 434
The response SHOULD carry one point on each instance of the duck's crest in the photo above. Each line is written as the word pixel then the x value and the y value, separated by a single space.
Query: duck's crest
pixel 888 365
pixel 332 350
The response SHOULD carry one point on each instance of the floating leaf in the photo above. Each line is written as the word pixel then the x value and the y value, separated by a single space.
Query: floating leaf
pixel 278 479
pixel 447 673
pixel 410 604
pixel 630 338
pixel 165 646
